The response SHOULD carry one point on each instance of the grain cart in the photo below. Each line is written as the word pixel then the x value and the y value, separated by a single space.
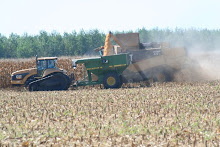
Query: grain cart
pixel 107 69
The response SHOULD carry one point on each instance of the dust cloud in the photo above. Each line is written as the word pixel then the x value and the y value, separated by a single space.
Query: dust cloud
pixel 200 66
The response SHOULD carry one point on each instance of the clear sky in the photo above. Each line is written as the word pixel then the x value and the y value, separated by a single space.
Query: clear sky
pixel 31 16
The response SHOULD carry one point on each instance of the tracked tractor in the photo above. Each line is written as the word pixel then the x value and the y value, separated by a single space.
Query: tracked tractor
pixel 46 76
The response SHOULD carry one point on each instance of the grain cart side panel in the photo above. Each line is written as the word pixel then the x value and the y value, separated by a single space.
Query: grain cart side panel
pixel 100 66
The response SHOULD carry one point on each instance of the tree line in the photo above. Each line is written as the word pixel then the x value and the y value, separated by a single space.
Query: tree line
pixel 83 42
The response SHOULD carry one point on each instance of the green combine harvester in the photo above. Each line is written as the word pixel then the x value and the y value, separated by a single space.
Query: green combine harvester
pixel 107 69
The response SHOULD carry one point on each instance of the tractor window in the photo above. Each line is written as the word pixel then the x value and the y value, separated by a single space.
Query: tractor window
pixel 51 63
pixel 42 64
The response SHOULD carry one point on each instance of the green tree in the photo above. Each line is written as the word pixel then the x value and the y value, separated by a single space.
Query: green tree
pixel 82 43
pixel 70 43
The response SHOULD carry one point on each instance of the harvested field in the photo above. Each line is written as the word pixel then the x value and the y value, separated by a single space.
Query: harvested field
pixel 168 114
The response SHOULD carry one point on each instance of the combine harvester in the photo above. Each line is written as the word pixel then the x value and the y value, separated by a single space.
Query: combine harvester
pixel 131 61
pixel 157 61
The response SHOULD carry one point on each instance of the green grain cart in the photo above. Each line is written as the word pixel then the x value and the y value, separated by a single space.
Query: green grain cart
pixel 107 69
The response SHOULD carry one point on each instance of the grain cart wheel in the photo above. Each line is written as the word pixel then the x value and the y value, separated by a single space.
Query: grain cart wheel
pixel 111 80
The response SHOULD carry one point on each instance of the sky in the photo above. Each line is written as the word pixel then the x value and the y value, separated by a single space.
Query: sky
pixel 33 16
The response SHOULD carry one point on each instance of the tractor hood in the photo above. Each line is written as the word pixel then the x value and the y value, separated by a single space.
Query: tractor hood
pixel 30 70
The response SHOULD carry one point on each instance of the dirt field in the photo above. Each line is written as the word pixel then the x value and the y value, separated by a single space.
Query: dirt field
pixel 171 114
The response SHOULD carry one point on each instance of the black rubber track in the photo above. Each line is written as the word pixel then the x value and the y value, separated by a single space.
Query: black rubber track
pixel 56 81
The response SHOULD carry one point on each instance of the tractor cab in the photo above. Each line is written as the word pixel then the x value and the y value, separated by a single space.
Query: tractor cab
pixel 46 63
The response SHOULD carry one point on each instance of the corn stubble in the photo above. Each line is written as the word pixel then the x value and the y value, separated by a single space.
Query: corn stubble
pixel 168 114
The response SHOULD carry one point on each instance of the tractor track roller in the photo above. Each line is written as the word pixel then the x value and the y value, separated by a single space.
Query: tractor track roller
pixel 56 81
